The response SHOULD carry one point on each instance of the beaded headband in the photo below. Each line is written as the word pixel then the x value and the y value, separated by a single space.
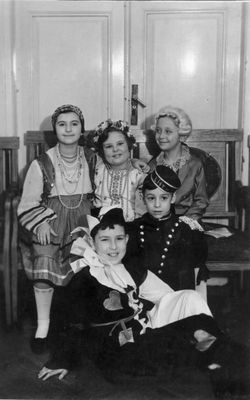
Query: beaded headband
pixel 64 109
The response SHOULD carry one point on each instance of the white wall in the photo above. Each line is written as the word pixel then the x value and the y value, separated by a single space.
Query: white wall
pixel 9 88
pixel 246 92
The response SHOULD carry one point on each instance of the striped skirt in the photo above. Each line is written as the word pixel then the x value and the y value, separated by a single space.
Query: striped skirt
pixel 51 262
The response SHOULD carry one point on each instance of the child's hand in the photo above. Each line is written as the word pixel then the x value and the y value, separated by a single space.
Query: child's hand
pixel 140 165
pixel 43 233
pixel 46 373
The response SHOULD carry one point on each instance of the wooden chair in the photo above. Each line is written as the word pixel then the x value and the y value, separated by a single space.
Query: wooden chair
pixel 8 202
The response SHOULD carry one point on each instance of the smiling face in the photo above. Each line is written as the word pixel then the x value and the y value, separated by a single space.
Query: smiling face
pixel 68 128
pixel 158 202
pixel 115 150
pixel 111 243
pixel 167 134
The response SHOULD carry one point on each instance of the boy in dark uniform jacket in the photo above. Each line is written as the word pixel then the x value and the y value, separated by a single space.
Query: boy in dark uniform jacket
pixel 171 246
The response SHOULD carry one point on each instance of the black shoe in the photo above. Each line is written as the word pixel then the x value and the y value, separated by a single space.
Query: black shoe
pixel 231 379
pixel 39 345
pixel 228 385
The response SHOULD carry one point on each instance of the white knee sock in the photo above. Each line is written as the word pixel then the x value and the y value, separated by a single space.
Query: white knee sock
pixel 43 299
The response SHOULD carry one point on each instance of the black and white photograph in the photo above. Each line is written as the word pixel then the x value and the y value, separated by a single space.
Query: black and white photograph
pixel 124 200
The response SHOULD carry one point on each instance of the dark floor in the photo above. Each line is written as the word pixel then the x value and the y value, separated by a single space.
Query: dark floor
pixel 19 366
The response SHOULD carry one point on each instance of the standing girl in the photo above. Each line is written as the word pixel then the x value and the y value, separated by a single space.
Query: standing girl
pixel 117 181
pixel 54 201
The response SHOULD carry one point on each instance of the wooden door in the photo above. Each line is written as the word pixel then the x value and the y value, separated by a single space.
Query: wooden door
pixel 187 54
pixel 68 52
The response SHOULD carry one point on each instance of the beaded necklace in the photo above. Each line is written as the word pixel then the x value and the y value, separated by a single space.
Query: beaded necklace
pixel 72 178
pixel 71 207
pixel 117 185
pixel 65 166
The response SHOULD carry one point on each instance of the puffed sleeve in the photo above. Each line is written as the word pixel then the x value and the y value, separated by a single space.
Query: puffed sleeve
pixel 31 213
pixel 200 198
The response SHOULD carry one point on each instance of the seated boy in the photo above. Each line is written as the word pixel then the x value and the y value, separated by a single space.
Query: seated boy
pixel 172 247
pixel 110 301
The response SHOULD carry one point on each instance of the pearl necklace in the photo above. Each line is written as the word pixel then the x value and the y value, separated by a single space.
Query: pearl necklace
pixel 64 167
pixel 72 178
pixel 71 207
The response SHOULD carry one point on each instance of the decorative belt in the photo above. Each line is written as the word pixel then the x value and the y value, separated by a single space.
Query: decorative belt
pixel 117 323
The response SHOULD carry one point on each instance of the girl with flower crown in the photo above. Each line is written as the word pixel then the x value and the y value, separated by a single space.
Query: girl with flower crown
pixel 54 201
pixel 117 181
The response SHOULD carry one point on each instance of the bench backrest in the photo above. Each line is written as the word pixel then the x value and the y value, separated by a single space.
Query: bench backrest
pixel 224 145
pixel 8 171
pixel 8 162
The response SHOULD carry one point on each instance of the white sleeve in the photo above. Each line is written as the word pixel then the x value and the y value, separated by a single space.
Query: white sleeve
pixel 153 288
pixel 30 211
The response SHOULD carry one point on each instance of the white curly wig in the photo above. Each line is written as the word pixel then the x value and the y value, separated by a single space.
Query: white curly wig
pixel 179 117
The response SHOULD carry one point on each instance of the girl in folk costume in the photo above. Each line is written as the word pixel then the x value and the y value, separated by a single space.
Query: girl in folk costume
pixel 134 321
pixel 54 201
pixel 172 128
pixel 117 181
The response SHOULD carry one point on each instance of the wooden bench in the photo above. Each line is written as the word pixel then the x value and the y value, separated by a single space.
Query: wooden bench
pixel 8 224
pixel 229 204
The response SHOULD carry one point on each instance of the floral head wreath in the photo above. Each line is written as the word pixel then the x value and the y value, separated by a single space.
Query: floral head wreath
pixel 119 125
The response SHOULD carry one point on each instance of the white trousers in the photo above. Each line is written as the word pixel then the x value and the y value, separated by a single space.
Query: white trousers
pixel 170 306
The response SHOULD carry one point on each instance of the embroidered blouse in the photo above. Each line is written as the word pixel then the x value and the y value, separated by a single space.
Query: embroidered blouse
pixel 121 188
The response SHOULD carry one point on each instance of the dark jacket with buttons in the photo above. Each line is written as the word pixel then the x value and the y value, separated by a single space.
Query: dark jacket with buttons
pixel 170 249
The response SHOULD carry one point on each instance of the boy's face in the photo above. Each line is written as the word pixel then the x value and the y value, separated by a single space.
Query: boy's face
pixel 158 202
pixel 111 244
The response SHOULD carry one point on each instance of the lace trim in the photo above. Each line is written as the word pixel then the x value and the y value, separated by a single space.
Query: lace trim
pixel 179 163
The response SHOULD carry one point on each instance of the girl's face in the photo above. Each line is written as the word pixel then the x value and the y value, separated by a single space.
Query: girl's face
pixel 111 244
pixel 115 150
pixel 68 128
pixel 167 134
pixel 158 202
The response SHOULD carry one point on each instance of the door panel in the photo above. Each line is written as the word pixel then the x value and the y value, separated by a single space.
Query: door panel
pixel 187 54
pixel 69 52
